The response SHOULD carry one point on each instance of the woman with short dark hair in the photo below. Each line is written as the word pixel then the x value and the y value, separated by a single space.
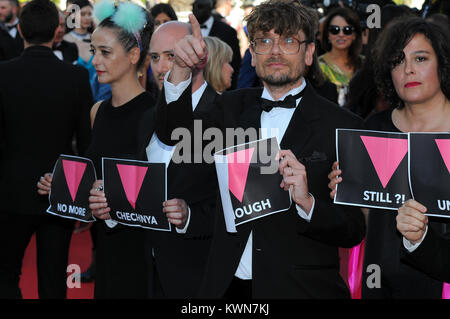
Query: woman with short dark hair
pixel 163 12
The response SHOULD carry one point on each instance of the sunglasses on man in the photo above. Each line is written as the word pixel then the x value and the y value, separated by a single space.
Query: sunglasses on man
pixel 334 29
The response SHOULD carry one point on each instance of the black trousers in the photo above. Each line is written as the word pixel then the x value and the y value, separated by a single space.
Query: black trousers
pixel 53 236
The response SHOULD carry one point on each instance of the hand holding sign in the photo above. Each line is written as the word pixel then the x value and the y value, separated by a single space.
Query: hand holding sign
pixel 411 221
pixel 45 184
pixel 334 178
pixel 97 201
pixel 190 53
pixel 176 211
pixel 294 178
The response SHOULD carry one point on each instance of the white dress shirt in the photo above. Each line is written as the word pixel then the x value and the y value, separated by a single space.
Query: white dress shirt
pixel 208 23
pixel 275 124
pixel 278 118
pixel 410 246
pixel 13 32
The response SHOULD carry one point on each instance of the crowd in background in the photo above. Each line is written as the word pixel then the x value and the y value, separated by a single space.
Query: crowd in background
pixel 340 54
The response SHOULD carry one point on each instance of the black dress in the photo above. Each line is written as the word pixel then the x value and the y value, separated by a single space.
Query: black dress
pixel 383 242
pixel 121 269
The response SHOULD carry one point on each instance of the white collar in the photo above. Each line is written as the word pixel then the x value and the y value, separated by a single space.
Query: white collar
pixel 197 95
pixel 209 22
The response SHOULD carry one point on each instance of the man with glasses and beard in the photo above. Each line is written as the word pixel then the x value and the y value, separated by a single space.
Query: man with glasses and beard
pixel 292 254
pixel 11 43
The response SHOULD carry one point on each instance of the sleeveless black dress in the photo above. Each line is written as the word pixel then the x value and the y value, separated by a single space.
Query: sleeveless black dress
pixel 121 269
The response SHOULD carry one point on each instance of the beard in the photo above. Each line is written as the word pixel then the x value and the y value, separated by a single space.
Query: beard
pixel 279 80
pixel 8 18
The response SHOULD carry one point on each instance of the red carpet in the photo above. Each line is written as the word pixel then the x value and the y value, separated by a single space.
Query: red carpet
pixel 80 253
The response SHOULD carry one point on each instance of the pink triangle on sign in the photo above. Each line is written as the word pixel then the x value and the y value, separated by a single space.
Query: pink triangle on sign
pixel 73 172
pixel 386 155
pixel 444 148
pixel 132 177
pixel 238 164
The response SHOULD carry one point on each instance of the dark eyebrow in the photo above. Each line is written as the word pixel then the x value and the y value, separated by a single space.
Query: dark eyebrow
pixel 164 52
pixel 421 52
pixel 101 47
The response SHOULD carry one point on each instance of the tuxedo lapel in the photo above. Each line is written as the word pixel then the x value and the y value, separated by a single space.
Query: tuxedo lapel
pixel 299 131
pixel 251 115
pixel 208 97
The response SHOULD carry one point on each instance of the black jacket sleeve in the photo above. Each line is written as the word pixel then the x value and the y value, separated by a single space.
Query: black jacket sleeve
pixel 432 256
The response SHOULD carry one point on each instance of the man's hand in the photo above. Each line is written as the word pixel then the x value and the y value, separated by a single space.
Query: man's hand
pixel 411 221
pixel 334 178
pixel 190 53
pixel 176 211
pixel 294 178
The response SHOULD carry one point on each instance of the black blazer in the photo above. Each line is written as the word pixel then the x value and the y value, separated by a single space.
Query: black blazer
pixel 181 258
pixel 7 45
pixel 229 35
pixel 432 256
pixel 69 51
pixel 10 47
pixel 44 103
pixel 292 258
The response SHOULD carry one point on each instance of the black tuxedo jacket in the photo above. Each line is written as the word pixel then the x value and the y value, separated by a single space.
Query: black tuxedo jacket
pixel 229 35
pixel 292 258
pixel 69 51
pixel 18 43
pixel 181 258
pixel 432 256
pixel 7 46
pixel 44 103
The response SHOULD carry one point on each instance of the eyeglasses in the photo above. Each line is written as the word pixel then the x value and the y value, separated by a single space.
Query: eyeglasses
pixel 334 29
pixel 287 45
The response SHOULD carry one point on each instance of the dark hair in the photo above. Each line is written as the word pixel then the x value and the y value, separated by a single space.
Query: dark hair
pixel 353 20
pixel 163 8
pixel 14 3
pixel 441 20
pixel 363 97
pixel 38 21
pixel 82 3
pixel 286 17
pixel 128 40
pixel 313 72
pixel 389 52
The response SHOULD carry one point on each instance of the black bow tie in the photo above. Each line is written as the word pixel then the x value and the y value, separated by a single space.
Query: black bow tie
pixel 9 27
pixel 289 102
pixel 203 26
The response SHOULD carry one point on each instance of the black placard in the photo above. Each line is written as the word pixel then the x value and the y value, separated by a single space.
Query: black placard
pixel 135 192
pixel 429 171
pixel 374 168
pixel 72 180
